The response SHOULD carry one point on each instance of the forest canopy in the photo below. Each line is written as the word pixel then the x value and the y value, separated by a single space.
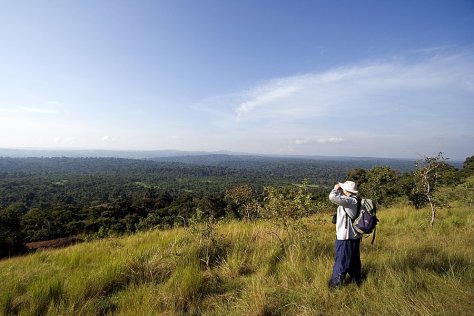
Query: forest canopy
pixel 47 198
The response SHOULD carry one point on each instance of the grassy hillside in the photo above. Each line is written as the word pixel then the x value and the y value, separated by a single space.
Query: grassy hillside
pixel 240 268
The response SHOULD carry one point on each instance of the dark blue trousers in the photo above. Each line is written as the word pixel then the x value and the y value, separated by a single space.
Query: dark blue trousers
pixel 347 261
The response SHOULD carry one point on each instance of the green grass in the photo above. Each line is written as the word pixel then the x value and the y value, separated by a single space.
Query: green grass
pixel 244 270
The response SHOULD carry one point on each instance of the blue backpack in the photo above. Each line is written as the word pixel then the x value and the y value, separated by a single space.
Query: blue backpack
pixel 366 220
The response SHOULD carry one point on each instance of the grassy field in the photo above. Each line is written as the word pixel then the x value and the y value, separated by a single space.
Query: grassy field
pixel 239 268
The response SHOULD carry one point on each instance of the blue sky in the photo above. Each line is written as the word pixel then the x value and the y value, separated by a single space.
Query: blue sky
pixel 347 78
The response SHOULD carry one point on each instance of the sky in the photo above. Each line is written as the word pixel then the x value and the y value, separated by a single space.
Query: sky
pixel 361 78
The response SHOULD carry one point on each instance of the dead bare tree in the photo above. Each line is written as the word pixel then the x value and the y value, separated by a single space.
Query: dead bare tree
pixel 426 176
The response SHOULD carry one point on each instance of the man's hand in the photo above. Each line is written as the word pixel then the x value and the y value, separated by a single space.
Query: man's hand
pixel 337 186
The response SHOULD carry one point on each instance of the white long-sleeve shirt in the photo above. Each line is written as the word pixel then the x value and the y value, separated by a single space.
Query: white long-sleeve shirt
pixel 346 205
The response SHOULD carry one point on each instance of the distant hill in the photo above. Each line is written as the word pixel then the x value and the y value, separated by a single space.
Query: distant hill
pixel 253 162
pixel 79 153
pixel 220 158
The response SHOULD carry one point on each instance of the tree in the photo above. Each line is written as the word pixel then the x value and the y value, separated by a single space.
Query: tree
pixel 407 185
pixel 288 203
pixel 468 166
pixel 358 175
pixel 36 225
pixel 210 206
pixel 286 207
pixel 381 185
pixel 426 177
pixel 465 191
pixel 448 175
pixel 183 206
pixel 244 200
pixel 11 236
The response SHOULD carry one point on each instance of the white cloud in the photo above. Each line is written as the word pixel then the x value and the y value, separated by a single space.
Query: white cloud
pixel 428 50
pixel 367 88
pixel 265 95
pixel 400 100
pixel 8 110
pixel 320 140
pixel 29 109
pixel 64 140
pixel 55 103
pixel 177 137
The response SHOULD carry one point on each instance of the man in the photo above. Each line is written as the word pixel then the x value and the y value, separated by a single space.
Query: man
pixel 347 258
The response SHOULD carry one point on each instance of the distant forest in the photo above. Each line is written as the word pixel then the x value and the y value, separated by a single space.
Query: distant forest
pixel 46 182
pixel 46 198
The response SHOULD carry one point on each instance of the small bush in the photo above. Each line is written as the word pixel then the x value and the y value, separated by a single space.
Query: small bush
pixel 209 246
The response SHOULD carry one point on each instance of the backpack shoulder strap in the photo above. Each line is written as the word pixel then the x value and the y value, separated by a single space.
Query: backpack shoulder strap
pixel 359 205
pixel 373 236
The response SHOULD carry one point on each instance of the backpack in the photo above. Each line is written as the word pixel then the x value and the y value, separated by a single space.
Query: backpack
pixel 366 220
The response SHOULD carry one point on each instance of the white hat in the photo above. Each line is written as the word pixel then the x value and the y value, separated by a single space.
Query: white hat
pixel 349 186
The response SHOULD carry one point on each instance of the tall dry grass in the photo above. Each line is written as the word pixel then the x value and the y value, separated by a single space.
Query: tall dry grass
pixel 244 268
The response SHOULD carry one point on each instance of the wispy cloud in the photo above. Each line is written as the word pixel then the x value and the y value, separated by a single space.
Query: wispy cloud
pixel 106 138
pixel 177 137
pixel 376 87
pixel 7 110
pixel 398 100
pixel 320 140
pixel 428 50
pixel 28 109
pixel 33 107
pixel 64 140
pixel 261 96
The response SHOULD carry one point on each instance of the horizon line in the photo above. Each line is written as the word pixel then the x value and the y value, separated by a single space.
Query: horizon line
pixel 206 152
